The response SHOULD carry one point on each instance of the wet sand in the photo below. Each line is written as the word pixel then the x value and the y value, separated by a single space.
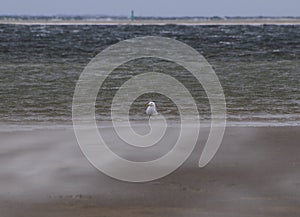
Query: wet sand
pixel 256 172
pixel 243 21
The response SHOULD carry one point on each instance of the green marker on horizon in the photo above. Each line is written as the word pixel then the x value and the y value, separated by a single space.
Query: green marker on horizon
pixel 132 15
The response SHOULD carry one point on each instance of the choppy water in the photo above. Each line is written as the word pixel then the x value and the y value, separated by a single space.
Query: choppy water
pixel 258 67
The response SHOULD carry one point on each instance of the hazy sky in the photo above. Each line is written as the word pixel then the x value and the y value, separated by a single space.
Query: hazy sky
pixel 153 7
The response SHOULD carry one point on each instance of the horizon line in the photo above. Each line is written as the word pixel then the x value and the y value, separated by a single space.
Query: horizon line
pixel 142 17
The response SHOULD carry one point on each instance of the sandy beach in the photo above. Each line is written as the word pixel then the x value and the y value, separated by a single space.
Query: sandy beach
pixel 256 172
pixel 243 21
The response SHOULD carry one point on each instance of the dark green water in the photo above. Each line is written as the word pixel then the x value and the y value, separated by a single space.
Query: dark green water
pixel 258 67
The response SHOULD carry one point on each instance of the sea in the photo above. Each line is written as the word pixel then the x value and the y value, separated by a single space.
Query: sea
pixel 258 67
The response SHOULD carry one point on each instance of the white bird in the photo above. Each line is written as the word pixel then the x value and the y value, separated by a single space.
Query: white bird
pixel 151 109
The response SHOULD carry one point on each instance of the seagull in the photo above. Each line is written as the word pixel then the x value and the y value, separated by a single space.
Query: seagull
pixel 151 109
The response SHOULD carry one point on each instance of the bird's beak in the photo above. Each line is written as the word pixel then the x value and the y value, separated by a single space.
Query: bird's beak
pixel 147 104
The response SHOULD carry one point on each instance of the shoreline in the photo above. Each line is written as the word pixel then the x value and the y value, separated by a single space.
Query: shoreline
pixel 273 21
pixel 17 127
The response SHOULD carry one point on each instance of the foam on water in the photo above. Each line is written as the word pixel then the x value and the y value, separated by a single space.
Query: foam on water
pixel 258 67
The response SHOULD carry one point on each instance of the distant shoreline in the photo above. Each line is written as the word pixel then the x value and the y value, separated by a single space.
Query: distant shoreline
pixel 242 21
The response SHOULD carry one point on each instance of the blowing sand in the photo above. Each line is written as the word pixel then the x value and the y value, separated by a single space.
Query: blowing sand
pixel 256 172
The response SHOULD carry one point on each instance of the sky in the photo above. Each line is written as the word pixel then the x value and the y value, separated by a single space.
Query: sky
pixel 163 8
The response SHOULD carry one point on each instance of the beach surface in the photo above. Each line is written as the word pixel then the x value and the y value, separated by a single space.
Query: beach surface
pixel 256 172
